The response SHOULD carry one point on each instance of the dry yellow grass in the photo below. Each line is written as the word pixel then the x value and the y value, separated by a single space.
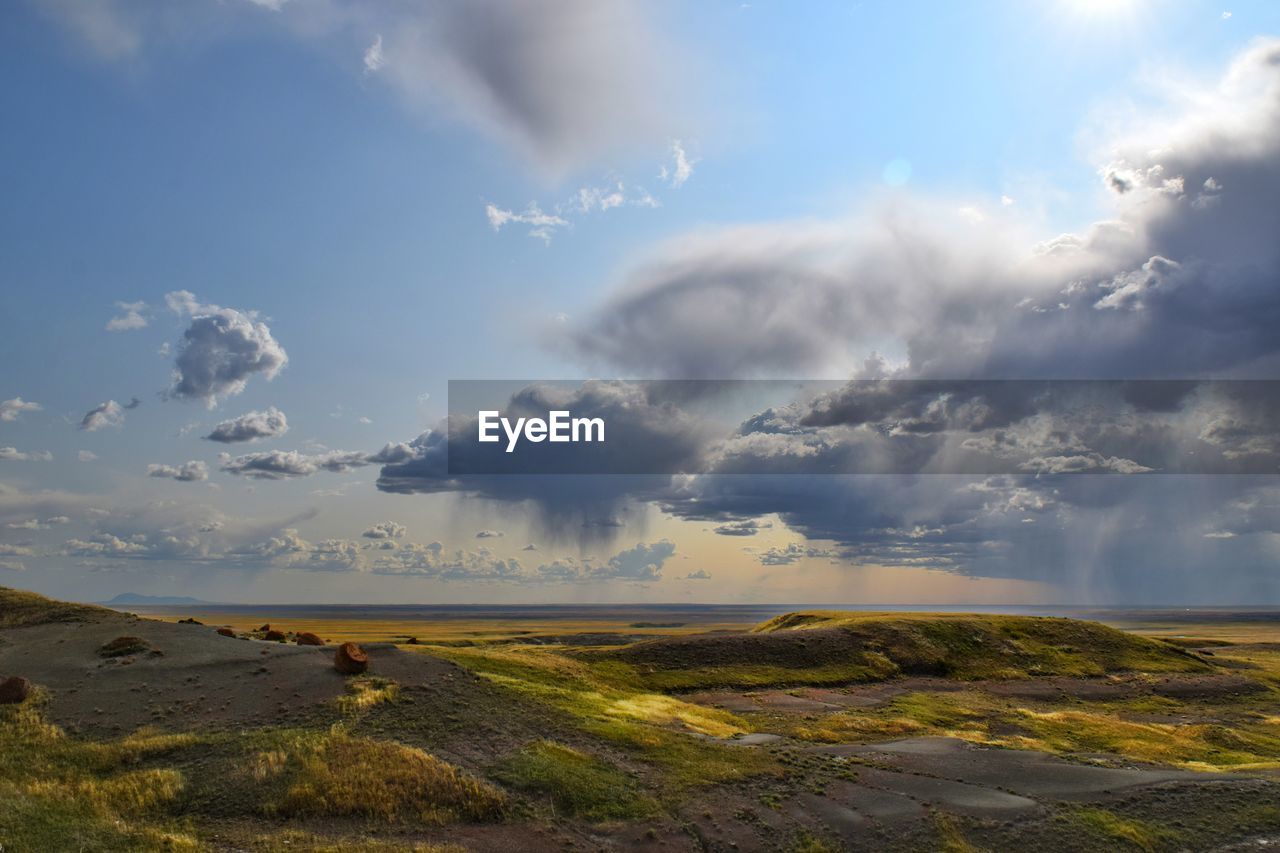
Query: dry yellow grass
pixel 338 774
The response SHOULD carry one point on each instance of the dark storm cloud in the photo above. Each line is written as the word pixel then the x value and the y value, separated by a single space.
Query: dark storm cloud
pixel 250 426
pixel 646 431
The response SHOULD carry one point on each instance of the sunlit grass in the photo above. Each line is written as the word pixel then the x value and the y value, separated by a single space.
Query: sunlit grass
pixel 57 793
pixel 366 692
pixel 605 702
pixel 335 774
pixel 576 784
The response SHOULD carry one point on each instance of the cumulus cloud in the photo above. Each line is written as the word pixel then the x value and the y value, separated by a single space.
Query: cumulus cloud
pixel 385 530
pixel 11 409
pixel 132 316
pixel 287 464
pixel 108 414
pixel 699 575
pixel 13 454
pixel 489 534
pixel 642 563
pixel 188 472
pixel 86 455
pixel 250 426
pixel 1177 282
pixel 221 349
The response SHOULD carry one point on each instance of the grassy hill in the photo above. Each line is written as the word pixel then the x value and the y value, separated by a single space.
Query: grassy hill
pixel 834 647
pixel 19 609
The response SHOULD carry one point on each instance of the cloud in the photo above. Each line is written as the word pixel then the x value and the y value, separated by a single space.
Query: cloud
pixel 103 415
pixel 642 563
pixel 37 524
pixel 86 456
pixel 288 464
pixel 681 168
pixel 541 225
pixel 250 426
pixel 1178 281
pixel 385 530
pixel 220 351
pixel 565 83
pixel 490 534
pixel 373 56
pixel 132 318
pixel 699 575
pixel 589 199
pixel 647 433
pixel 13 454
pixel 11 409
pixel 747 527
pixel 188 472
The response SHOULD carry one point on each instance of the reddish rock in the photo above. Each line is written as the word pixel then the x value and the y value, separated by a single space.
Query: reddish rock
pixel 350 659
pixel 412 641
pixel 306 638
pixel 226 632
pixel 266 627
pixel 275 636
pixel 14 689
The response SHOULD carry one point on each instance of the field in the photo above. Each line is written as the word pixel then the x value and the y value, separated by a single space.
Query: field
pixel 639 728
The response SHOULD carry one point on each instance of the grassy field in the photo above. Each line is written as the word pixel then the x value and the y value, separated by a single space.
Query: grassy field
pixel 627 731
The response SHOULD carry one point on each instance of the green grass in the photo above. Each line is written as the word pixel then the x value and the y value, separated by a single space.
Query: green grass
pixel 335 774
pixel 576 784
pixel 606 701
pixel 1121 831
pixel 20 609
pixel 57 793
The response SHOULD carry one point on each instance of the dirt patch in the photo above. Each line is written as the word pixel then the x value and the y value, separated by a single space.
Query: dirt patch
pixel 202 679
pixel 1207 686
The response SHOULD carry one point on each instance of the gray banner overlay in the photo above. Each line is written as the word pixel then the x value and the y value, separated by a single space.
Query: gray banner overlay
pixel 873 426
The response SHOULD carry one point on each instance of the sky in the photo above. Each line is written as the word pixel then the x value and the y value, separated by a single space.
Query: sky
pixel 248 243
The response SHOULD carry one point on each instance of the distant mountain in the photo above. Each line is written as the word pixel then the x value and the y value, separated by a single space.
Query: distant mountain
pixel 138 598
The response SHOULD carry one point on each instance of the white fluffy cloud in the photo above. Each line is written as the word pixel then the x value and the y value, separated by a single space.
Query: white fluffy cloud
pixel 385 530
pixel 103 415
pixel 188 472
pixel 11 409
pixel 133 316
pixel 250 426
pixel 13 454
pixel 221 349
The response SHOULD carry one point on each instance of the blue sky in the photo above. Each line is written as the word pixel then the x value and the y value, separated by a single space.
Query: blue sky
pixel 265 158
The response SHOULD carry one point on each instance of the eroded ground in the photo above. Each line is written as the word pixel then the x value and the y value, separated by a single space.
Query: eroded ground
pixel 809 733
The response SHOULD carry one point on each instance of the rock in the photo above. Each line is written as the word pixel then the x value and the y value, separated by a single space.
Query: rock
pixel 226 632
pixel 350 659
pixel 124 646
pixel 266 627
pixel 412 641
pixel 306 638
pixel 189 621
pixel 14 690
pixel 275 636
